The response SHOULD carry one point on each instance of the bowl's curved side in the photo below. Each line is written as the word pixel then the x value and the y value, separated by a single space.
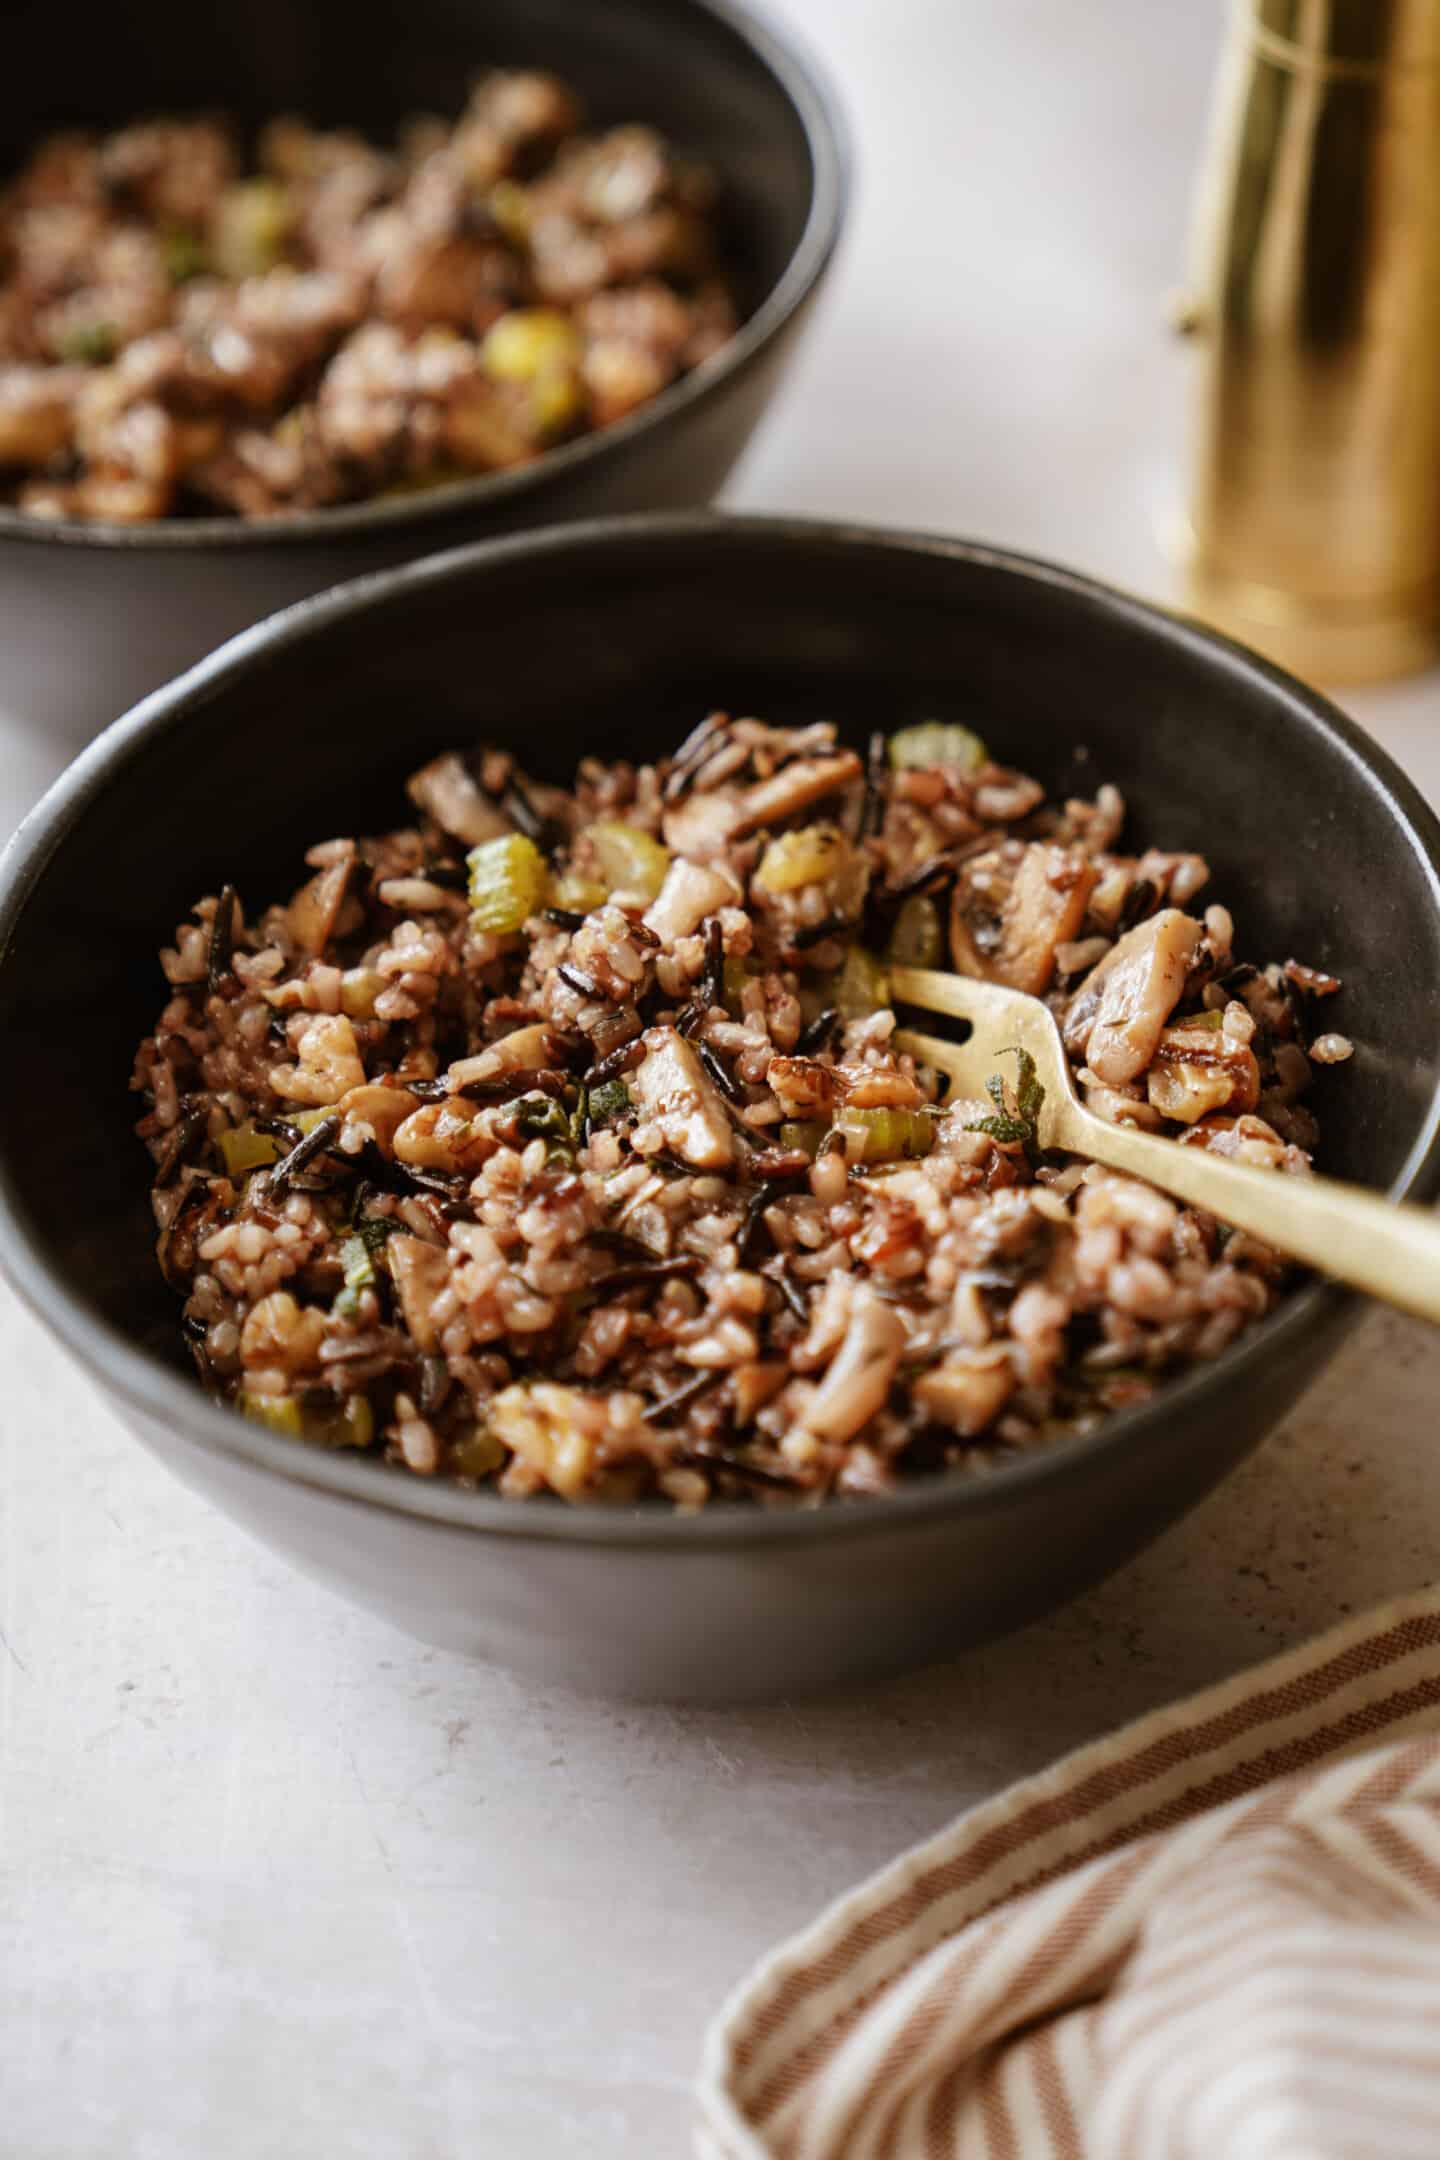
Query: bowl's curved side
pixel 92 631
pixel 97 614
pixel 607 633
pixel 742 1618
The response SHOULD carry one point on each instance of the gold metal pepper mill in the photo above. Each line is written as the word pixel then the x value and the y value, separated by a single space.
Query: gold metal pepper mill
pixel 1314 513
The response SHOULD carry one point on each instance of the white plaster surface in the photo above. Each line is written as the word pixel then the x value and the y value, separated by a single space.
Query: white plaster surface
pixel 275 1882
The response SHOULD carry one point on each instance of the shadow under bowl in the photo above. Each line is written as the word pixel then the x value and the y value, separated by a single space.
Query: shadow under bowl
pixel 613 638
pixel 97 615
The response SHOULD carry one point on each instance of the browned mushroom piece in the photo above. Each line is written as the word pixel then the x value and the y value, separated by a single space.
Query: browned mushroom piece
pixel 1013 906
pixel 447 793
pixel 1118 1014
pixel 314 909
pixel 794 788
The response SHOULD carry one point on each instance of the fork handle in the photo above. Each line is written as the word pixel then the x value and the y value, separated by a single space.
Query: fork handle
pixel 1383 1246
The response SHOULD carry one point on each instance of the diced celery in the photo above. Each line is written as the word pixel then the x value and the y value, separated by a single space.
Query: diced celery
pixel 528 343
pixel 305 1121
pixel 358 1261
pixel 507 883
pixel 242 1149
pixel 937 742
pixel 477 1454
pixel 882 1135
pixel 282 1413
pixel 806 1133
pixel 806 857
pixel 629 859
pixel 349 1424
pixel 184 253
pixel 359 988
pixel 251 228
pixel 89 344
pixel 355 1426
pixel 555 401
pixel 862 986
pixel 578 895
pixel 738 973
pixel 509 205
pixel 915 940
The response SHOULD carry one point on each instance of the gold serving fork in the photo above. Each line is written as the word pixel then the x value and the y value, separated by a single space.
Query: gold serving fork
pixel 1381 1246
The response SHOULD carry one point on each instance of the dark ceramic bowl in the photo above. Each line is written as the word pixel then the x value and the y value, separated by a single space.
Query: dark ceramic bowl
pixel 613 637
pixel 97 615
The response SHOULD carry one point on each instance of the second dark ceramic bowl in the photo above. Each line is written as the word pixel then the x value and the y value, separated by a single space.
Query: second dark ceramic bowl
pixel 614 637
pixel 97 615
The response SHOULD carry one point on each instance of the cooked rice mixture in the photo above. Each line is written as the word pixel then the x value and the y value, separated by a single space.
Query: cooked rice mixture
pixel 555 1141
pixel 179 334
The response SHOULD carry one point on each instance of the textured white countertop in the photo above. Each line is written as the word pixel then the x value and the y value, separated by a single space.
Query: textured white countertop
pixel 275 1881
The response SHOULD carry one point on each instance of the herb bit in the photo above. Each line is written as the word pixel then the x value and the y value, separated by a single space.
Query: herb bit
pixel 608 1101
pixel 1022 1124
pixel 541 1117
pixel 90 344
pixel 357 1259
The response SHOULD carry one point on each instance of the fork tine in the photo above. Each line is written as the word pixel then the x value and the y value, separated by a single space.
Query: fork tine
pixel 959 995
pixel 965 1065
pixel 946 1057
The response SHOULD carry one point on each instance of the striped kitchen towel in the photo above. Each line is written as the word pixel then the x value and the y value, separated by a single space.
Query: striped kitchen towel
pixel 1215 1934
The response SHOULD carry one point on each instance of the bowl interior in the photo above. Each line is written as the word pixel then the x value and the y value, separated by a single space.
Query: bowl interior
pixel 682 66
pixel 613 639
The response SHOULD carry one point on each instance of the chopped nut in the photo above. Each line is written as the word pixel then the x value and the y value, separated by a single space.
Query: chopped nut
pixel 374 1113
pixel 443 1136
pixel 1196 1070
pixel 329 1063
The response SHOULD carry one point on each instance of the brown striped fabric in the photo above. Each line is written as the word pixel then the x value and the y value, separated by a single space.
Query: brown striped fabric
pixel 1216 1933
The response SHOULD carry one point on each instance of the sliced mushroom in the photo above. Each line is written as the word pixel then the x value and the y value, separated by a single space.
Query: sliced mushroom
pixel 1246 1139
pixel 969 1390
pixel 702 826
pixel 672 1092
pixel 313 910
pixel 1117 1015
pixel 1013 906
pixel 446 791
pixel 525 1050
pixel 858 1378
pixel 755 1383
pixel 691 891
pixel 374 1112
pixel 794 788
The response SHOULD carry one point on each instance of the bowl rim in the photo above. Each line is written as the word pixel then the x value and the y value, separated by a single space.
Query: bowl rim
pixel 173 1402
pixel 805 82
